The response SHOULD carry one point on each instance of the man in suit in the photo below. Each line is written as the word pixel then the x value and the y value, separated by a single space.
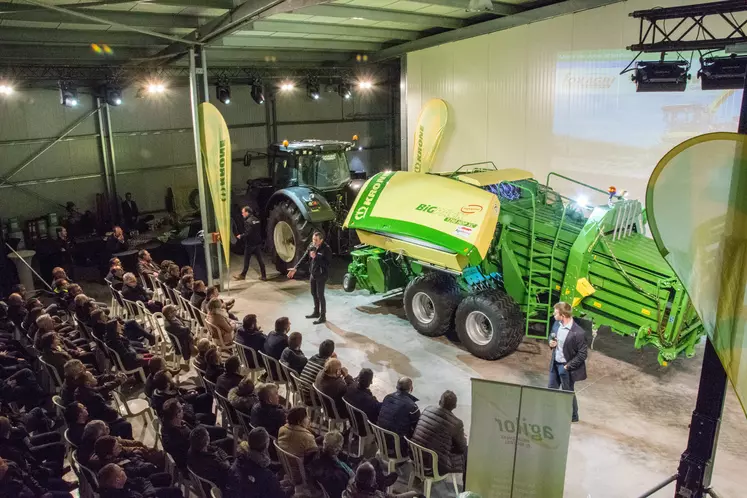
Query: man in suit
pixel 130 212
pixel 321 257
pixel 568 356
pixel 252 243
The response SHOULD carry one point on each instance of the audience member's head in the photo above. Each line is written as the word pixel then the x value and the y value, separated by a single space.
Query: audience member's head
pixel 129 279
pixel 48 341
pixel 282 325
pixel 212 356
pixel 245 387
pixel 15 300
pixel 165 265
pixel 199 286
pixel 202 346
pixel 118 232
pixel 80 300
pixel 249 322
pixel 365 378
pixel 174 270
pixel 45 322
pixel 93 431
pixel 214 305
pixel 99 316
pixel 326 348
pixel 72 370
pixel 187 270
pixel 233 365
pixel 74 290
pixel 19 289
pixel 294 340
pixel 162 380
pixel 5 427
pixel 187 281
pixel 60 285
pixel 258 440
pixel 107 447
pixel 58 272
pixel 332 444
pixel 169 311
pixel 114 262
pixel 172 411
pixel 199 439
pixel 365 477
pixel 111 476
pixel 156 364
pixel 76 413
pixel 268 394
pixel 448 400
pixel 333 367
pixel 404 384
pixel 298 416
pixel 211 292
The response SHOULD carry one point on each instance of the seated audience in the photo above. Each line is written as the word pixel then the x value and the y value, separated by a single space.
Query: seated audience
pixel 186 270
pixel 364 485
pixel 175 433
pixel 277 340
pixel 117 242
pixel 399 411
pixel 214 366
pixel 333 381
pixel 76 417
pixel 115 483
pixel 359 395
pixel 155 365
pixel 198 294
pixel 203 345
pixel 223 327
pixel 172 278
pixel 42 454
pixel 316 364
pixel 19 483
pixel 176 327
pixel 98 408
pixel 296 438
pixel 108 450
pixel 197 404
pixel 440 430
pixel 16 309
pixel 116 272
pixel 268 413
pixel 230 378
pixel 186 286
pixel 250 335
pixel 243 397
pixel 207 460
pixel 251 474
pixel 163 272
pixel 145 264
pixel 54 354
pixel 134 291
pixel 292 355
pixel 73 369
pixel 331 467
pixel 213 292
pixel 131 355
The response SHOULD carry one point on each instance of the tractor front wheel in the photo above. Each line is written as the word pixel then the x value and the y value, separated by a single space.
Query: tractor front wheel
pixel 348 282
pixel 489 324
pixel 288 235
pixel 430 301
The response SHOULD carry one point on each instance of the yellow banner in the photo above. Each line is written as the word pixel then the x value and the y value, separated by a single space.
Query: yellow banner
pixel 428 133
pixel 696 201
pixel 215 143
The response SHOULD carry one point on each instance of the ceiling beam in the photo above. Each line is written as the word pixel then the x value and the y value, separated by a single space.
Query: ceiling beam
pixel 332 29
pixel 296 43
pixel 71 55
pixel 115 39
pixel 344 12
pixel 483 28
pixel 500 9
pixel 13 12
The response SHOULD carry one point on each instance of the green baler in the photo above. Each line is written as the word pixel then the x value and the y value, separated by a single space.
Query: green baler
pixel 488 252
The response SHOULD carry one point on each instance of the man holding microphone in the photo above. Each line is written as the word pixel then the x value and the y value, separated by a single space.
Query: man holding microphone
pixel 321 257
pixel 568 353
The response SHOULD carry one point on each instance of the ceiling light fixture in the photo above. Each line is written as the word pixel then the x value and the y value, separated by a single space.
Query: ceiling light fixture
pixel 68 94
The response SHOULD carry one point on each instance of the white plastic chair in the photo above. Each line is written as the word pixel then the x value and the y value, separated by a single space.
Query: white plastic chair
pixel 427 473
pixel 382 442
pixel 198 481
pixel 292 465
pixel 329 409
pixel 359 427
pixel 139 372
pixel 306 391
pixel 55 382
pixel 245 353
pixel 137 407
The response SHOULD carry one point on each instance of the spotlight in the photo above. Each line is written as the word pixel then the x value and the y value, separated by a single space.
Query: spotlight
pixel 68 95
pixel 112 94
pixel 723 73
pixel 661 76
pixel 258 94
pixel 6 89
pixel 312 90
pixel 365 85
pixel 156 87
pixel 345 91
pixel 582 201
pixel 287 86
pixel 223 91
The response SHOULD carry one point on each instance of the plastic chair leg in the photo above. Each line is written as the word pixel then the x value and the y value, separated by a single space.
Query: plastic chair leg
pixel 427 485
pixel 456 486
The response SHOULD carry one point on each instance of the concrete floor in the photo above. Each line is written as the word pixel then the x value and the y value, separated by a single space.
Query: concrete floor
pixel 634 413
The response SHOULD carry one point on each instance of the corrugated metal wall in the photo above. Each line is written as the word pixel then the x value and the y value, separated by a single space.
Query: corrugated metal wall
pixel 549 97
pixel 153 142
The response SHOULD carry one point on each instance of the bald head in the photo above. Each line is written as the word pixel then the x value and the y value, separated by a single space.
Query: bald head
pixel 404 384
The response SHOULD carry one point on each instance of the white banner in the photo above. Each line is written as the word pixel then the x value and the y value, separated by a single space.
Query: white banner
pixel 518 442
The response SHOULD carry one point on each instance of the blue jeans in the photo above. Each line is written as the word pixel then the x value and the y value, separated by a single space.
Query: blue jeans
pixel 561 378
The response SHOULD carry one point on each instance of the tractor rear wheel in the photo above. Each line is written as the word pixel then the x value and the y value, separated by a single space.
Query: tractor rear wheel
pixel 288 235
pixel 490 324
pixel 430 301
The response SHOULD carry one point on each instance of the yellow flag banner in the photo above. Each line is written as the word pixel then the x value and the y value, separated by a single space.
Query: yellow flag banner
pixel 215 144
pixel 428 133
pixel 696 202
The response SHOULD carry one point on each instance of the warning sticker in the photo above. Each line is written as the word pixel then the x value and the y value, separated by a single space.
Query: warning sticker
pixel 463 231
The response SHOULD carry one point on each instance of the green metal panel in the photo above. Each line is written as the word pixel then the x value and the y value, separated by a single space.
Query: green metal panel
pixel 376 275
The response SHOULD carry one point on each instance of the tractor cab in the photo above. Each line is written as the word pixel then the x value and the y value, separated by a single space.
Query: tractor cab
pixel 320 164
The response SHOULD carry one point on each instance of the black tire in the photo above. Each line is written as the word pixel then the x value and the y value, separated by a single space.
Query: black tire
pixel 444 295
pixel 503 316
pixel 348 282
pixel 301 229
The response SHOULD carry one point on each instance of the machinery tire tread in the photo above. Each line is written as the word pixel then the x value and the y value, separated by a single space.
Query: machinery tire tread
pixel 287 211
pixel 445 293
pixel 505 316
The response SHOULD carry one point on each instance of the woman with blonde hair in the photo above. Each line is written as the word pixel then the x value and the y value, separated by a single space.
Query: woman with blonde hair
pixel 223 327
pixel 333 381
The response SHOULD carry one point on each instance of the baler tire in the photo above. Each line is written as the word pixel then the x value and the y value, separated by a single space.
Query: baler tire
pixel 348 282
pixel 287 212
pixel 444 294
pixel 505 319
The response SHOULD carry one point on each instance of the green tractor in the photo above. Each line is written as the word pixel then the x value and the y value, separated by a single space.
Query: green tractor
pixel 487 253
pixel 309 187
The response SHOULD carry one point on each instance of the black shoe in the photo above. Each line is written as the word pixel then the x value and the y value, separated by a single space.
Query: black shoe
pixel 263 278
pixel 574 420
pixel 239 277
pixel 319 320
pixel 313 315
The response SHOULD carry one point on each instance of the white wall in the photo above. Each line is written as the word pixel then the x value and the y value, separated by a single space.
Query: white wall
pixel 154 147
pixel 548 97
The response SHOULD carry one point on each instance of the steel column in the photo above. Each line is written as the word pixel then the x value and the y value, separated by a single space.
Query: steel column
pixel 274 114
pixel 193 100
pixel 113 162
pixel 105 163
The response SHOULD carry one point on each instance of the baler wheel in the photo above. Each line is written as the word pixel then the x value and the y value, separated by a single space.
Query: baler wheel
pixel 430 301
pixel 490 324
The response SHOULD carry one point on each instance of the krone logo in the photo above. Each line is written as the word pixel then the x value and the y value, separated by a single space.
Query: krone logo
pixel 471 208
pixel 361 212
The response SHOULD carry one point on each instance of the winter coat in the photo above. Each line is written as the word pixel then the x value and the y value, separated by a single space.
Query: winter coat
pixel 197 299
pixel 212 464
pixel 227 381
pixel 330 472
pixel 275 344
pixel 399 413
pixel 310 371
pixel 335 388
pixel 295 359
pixel 298 441
pixel 363 400
pixel 136 293
pixel 440 430
pixel 271 417
pixel 176 442
pixel 224 326
pixel 97 406
pixel 251 478
pixel 254 339
pixel 242 403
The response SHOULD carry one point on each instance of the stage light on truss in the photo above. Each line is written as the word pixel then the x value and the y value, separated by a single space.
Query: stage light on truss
pixel 112 94
pixel 6 88
pixel 345 91
pixel 723 73
pixel 661 76
pixel 68 94
pixel 365 84
pixel 287 86
pixel 155 87
pixel 312 90
pixel 223 92
pixel 257 92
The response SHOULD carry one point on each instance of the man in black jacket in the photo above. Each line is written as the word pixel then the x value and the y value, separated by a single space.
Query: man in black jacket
pixel 277 340
pixel 252 243
pixel 568 353
pixel 359 395
pixel 399 411
pixel 321 257
pixel 130 212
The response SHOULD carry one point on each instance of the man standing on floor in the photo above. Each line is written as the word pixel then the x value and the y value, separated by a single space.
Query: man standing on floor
pixel 568 353
pixel 252 243
pixel 321 257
